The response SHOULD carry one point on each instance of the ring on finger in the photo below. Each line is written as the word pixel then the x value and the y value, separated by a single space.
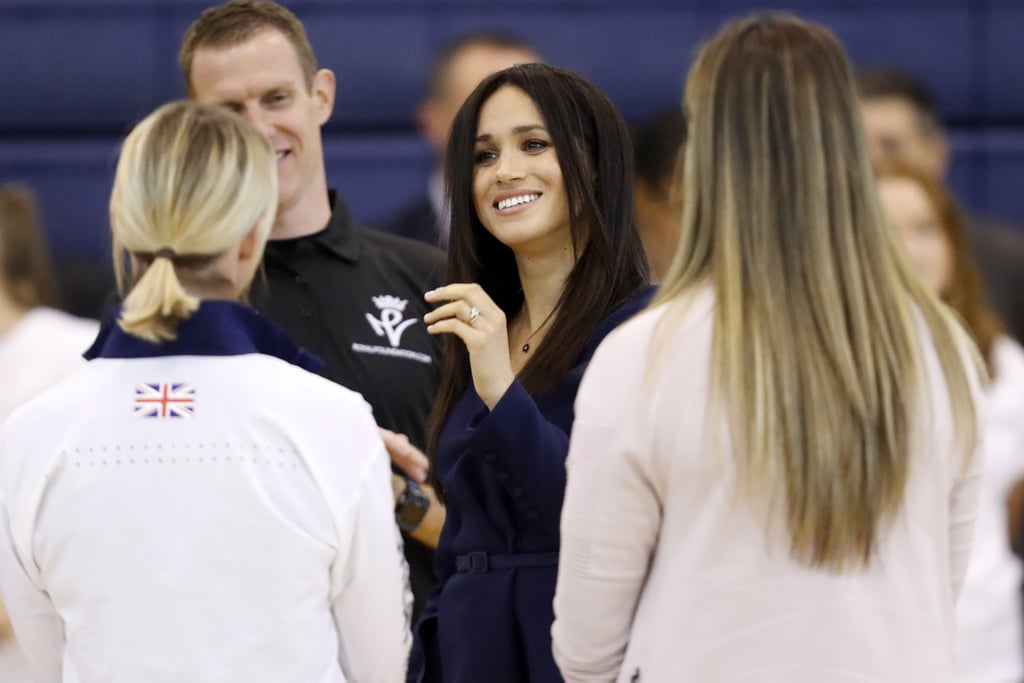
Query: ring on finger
pixel 474 313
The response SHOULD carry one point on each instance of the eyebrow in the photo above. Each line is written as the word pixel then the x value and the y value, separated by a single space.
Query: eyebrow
pixel 518 130
pixel 275 87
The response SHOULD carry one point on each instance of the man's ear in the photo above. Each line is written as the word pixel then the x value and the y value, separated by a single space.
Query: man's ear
pixel 323 94
pixel 249 248
pixel 940 148
pixel 432 122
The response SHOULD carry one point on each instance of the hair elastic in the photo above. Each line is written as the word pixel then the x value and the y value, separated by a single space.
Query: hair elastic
pixel 164 252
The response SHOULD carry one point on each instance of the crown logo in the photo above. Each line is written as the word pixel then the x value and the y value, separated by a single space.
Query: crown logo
pixel 387 301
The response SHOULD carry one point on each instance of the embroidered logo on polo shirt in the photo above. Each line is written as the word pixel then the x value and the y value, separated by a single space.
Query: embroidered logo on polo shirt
pixel 391 324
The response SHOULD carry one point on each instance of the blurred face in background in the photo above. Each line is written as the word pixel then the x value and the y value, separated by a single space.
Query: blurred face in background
pixel 896 133
pixel 658 209
pixel 915 219
pixel 468 67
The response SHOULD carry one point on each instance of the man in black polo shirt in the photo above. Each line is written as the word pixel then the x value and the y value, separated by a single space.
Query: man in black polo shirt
pixel 352 296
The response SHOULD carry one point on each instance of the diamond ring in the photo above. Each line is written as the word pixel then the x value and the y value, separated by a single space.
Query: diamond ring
pixel 474 313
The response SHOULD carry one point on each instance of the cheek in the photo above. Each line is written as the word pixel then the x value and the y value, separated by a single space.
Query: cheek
pixel 479 193
pixel 557 185
pixel 944 265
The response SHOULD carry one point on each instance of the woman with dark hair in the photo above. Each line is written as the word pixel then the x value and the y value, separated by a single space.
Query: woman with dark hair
pixel 924 215
pixel 772 473
pixel 545 261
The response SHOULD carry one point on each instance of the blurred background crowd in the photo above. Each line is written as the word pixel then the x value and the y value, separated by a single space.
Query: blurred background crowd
pixel 80 73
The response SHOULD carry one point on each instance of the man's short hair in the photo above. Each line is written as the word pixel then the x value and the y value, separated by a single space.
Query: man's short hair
pixel 442 62
pixel 235 22
pixel 876 82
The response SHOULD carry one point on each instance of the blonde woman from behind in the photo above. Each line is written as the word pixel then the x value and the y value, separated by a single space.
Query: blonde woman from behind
pixel 773 471
pixel 196 504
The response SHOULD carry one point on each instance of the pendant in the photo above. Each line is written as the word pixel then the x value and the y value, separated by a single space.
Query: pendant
pixel 526 347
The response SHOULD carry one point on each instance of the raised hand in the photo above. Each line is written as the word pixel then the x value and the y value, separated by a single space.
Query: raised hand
pixel 471 315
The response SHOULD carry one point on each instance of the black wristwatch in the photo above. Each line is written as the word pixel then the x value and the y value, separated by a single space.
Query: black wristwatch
pixel 411 507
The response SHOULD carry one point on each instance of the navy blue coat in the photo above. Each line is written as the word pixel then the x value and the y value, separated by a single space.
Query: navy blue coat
pixel 503 474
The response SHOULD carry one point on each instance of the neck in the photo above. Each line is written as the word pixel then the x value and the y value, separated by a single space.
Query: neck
pixel 543 279
pixel 308 216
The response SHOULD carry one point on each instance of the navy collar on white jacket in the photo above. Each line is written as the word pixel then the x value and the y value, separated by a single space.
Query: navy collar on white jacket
pixel 217 328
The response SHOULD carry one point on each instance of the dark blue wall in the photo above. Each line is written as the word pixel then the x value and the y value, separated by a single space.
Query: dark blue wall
pixel 77 73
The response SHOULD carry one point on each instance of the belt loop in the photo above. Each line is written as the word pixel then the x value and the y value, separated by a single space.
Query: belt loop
pixel 472 563
pixel 478 562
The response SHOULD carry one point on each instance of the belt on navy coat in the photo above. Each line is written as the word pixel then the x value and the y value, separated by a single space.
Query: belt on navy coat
pixel 480 562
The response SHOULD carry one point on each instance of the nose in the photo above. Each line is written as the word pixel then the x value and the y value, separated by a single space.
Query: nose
pixel 508 169
pixel 258 119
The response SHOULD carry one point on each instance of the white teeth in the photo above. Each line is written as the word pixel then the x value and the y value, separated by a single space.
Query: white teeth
pixel 516 201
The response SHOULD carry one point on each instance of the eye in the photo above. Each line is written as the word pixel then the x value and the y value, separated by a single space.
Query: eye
pixel 276 99
pixel 535 145
pixel 484 156
pixel 235 107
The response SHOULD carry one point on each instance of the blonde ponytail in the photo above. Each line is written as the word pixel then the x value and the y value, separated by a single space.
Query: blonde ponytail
pixel 157 303
pixel 192 182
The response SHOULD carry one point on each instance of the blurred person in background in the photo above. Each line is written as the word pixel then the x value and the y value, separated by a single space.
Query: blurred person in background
pixel 773 472
pixel 196 503
pixel 39 345
pixel 456 70
pixel 903 123
pixel 990 638
pixel 658 144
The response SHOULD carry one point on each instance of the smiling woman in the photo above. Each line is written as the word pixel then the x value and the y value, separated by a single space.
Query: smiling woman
pixel 544 262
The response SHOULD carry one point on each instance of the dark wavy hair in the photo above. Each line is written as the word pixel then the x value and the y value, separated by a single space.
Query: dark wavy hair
pixel 594 152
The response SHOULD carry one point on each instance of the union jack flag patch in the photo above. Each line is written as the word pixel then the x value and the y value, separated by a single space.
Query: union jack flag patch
pixel 165 399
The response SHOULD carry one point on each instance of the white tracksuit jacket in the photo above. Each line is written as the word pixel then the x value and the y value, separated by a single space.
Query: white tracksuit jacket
pixel 203 510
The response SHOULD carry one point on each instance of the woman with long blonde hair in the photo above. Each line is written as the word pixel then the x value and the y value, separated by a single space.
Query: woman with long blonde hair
pixel 196 504
pixel 771 474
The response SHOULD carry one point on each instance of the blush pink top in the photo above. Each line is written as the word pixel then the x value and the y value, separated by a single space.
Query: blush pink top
pixel 667 574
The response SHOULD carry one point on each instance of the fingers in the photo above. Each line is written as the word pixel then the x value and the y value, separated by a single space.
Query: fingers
pixel 459 309
pixel 407 457
pixel 468 313
pixel 459 290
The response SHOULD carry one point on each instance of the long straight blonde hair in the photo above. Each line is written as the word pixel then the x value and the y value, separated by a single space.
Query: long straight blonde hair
pixel 817 362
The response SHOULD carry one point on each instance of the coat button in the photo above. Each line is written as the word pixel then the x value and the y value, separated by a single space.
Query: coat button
pixel 518 492
pixel 501 476
pixel 490 457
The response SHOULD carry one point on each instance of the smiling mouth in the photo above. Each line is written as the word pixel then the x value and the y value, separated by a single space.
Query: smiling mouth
pixel 518 200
